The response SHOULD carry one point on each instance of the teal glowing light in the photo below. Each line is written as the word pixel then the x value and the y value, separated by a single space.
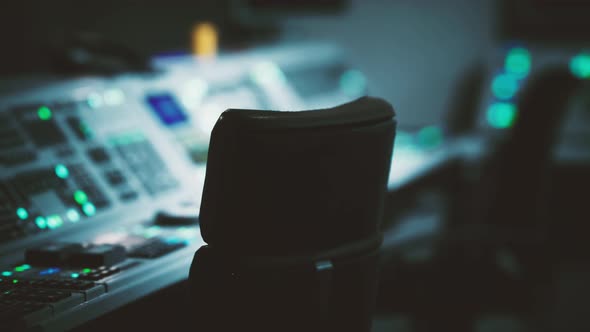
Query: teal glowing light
pixel 114 97
pixel 580 65
pixel 61 171
pixel 94 100
pixel 74 275
pixel 6 274
pixel 353 83
pixel 505 86
pixel 73 215
pixel 430 137
pixel 518 61
pixel 22 268
pixel 22 213
pixel 89 209
pixel 54 221
pixel 41 222
pixel 80 197
pixel 267 73
pixel 44 113
pixel 501 115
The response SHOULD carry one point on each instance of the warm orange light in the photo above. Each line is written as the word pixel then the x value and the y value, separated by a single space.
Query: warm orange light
pixel 205 40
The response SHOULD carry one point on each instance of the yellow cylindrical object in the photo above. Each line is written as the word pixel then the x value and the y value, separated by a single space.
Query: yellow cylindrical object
pixel 205 40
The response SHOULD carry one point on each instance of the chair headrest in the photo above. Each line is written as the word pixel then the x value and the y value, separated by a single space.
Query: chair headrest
pixel 297 182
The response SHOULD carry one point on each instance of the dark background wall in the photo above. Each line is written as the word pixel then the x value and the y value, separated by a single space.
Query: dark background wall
pixel 411 51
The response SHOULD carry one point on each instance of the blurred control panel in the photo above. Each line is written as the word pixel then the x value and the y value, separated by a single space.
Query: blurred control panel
pixel 101 178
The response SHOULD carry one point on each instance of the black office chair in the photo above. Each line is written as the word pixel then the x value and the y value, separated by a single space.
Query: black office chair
pixel 291 215
pixel 496 257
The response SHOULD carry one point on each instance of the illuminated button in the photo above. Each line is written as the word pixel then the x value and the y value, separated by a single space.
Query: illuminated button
pixel 505 86
pixel 73 215
pixel 49 271
pixel 87 270
pixel 75 275
pixel 15 281
pixel 41 222
pixel 580 65
pixel 94 100
pixel 89 209
pixel 518 61
pixel 61 171
pixel 80 197
pixel 54 221
pixel 22 213
pixel 44 113
pixel 6 274
pixel 114 97
pixel 501 115
pixel 353 83
pixel 22 268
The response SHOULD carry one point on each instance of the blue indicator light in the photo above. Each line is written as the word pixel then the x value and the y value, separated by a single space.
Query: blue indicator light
pixel 49 271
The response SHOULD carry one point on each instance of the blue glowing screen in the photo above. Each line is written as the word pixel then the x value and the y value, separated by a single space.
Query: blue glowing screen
pixel 167 109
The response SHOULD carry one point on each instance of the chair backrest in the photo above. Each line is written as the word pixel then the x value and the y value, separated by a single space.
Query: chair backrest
pixel 291 213
pixel 515 179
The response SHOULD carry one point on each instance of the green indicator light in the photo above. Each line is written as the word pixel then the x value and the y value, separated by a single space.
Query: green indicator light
pixel 15 281
pixel 62 171
pixel 41 222
pixel 54 221
pixel 22 213
pixel 501 115
pixel 44 113
pixel 6 273
pixel 430 137
pixel 505 86
pixel 74 275
pixel 80 197
pixel 353 83
pixel 86 270
pixel 267 73
pixel 22 268
pixel 580 65
pixel 73 215
pixel 89 209
pixel 518 61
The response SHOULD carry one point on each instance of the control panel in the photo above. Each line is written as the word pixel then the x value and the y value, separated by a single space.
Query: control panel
pixel 101 178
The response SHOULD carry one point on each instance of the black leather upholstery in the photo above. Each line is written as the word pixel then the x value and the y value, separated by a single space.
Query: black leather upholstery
pixel 291 213
pixel 297 182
